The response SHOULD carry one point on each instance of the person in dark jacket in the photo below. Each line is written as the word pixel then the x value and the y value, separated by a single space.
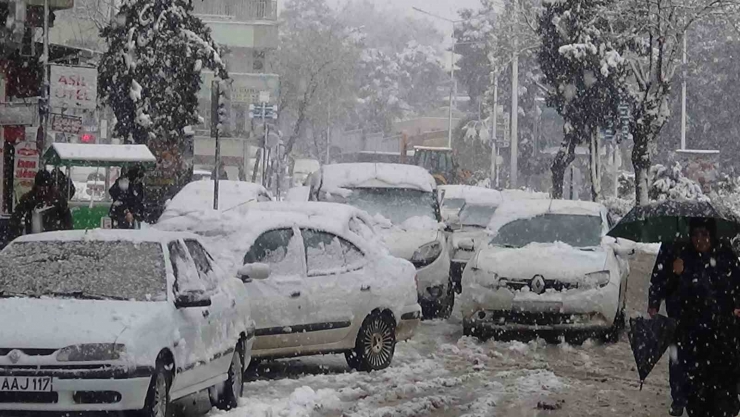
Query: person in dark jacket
pixel 664 287
pixel 709 303
pixel 42 209
pixel 63 185
pixel 128 199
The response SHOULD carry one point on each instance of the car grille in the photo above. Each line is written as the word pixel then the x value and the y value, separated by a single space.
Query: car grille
pixel 550 284
pixel 504 317
pixel 28 352
pixel 29 397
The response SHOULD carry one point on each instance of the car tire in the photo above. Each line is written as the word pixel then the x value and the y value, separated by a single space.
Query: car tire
pixel 157 403
pixel 448 303
pixel 234 384
pixel 611 335
pixel 375 344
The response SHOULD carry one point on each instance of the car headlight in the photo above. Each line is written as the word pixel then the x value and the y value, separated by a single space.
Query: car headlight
pixel 597 279
pixel 426 254
pixel 485 279
pixel 91 352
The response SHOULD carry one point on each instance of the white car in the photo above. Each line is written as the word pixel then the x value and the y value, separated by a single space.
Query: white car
pixel 111 321
pixel 454 197
pixel 469 231
pixel 319 278
pixel 197 196
pixel 548 267
pixel 403 201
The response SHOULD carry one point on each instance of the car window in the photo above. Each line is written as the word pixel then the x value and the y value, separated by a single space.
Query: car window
pixel 203 263
pixel 328 253
pixel 279 248
pixel 186 275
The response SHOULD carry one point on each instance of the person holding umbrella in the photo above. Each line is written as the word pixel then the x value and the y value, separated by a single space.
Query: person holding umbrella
pixel 664 287
pixel 709 305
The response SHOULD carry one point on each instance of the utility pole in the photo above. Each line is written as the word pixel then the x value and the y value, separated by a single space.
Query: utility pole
pixel 46 95
pixel 515 102
pixel 452 87
pixel 494 122
pixel 683 96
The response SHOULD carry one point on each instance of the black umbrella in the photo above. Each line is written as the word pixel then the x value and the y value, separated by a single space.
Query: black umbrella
pixel 668 221
pixel 649 339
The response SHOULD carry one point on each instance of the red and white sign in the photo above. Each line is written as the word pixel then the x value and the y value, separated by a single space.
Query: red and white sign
pixel 26 164
pixel 74 87
pixel 66 124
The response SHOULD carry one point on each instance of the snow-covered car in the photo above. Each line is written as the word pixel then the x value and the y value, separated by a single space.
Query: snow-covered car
pixel 468 233
pixel 454 197
pixel 547 267
pixel 403 201
pixel 111 321
pixel 319 277
pixel 197 196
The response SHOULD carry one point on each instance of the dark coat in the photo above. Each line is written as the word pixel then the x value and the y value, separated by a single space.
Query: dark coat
pixel 56 217
pixel 663 282
pixel 129 200
pixel 709 291
pixel 64 185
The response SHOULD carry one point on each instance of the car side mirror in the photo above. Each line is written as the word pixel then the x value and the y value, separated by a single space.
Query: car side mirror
pixel 622 247
pixel 192 299
pixel 249 272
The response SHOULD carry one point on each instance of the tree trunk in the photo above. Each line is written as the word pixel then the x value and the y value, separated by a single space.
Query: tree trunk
pixel 595 165
pixel 563 159
pixel 641 163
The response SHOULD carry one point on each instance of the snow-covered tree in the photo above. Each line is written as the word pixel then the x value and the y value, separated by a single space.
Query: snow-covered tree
pixel 669 183
pixel 151 73
pixel 421 76
pixel 585 74
pixel 379 95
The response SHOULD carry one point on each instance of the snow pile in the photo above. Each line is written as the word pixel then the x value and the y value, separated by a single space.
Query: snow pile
pixel 536 381
pixel 302 402
pixel 369 175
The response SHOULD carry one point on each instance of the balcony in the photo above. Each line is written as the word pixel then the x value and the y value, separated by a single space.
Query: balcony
pixel 237 10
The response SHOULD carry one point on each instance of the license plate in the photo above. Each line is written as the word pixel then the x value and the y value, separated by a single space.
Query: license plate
pixel 26 384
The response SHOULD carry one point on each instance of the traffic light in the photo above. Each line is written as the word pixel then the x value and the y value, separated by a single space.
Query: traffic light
pixel 87 138
pixel 219 114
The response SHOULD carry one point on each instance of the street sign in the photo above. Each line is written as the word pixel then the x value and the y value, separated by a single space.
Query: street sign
pixel 607 133
pixel 624 118
pixel 503 140
pixel 263 111
pixel 66 124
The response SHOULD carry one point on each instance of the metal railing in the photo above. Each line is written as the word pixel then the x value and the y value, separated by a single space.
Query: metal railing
pixel 238 10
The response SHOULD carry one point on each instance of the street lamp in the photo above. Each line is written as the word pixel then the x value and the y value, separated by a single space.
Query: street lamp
pixel 453 83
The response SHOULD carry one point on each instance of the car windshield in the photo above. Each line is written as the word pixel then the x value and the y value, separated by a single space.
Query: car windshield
pixel 574 230
pixel 84 269
pixel 395 204
pixel 453 203
pixel 476 216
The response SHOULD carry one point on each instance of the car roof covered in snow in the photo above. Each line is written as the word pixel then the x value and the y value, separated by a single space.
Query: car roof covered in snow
pixel 232 233
pixel 472 194
pixel 512 210
pixel 106 235
pixel 376 175
pixel 198 196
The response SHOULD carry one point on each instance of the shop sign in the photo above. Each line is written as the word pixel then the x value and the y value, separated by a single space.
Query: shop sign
pixel 74 87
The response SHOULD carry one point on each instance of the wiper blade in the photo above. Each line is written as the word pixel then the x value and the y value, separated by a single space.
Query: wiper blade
pixel 84 295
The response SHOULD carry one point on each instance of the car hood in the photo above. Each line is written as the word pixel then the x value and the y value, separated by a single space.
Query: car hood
pixel 553 261
pixel 403 244
pixel 56 323
pixel 478 236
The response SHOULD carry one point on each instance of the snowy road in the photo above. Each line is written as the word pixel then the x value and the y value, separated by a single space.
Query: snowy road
pixel 442 373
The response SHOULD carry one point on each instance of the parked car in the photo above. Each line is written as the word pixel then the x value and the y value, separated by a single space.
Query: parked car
pixel 548 267
pixel 403 201
pixel 115 320
pixel 320 279
pixel 454 197
pixel 197 196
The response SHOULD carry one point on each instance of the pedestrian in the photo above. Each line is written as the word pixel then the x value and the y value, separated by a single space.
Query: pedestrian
pixel 664 287
pixel 63 184
pixel 42 209
pixel 127 194
pixel 709 306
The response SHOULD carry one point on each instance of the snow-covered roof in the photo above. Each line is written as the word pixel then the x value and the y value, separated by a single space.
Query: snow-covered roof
pixel 86 154
pixel 148 235
pixel 472 194
pixel 198 196
pixel 524 195
pixel 433 148
pixel 698 151
pixel 376 175
pixel 306 165
pixel 526 209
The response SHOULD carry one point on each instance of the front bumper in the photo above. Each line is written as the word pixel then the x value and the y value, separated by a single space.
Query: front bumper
pixel 76 390
pixel 458 263
pixel 434 279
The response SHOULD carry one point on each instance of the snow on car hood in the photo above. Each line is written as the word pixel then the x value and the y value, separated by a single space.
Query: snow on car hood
pixel 403 244
pixel 55 323
pixel 551 260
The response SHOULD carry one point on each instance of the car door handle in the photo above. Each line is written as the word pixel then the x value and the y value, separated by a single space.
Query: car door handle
pixel 206 313
pixel 295 294
pixel 365 288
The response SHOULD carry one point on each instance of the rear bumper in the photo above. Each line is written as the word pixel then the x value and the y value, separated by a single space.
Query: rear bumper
pixel 410 320
pixel 434 279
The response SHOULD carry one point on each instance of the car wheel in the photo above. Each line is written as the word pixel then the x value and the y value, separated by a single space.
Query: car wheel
pixel 375 345
pixel 234 385
pixel 611 335
pixel 157 402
